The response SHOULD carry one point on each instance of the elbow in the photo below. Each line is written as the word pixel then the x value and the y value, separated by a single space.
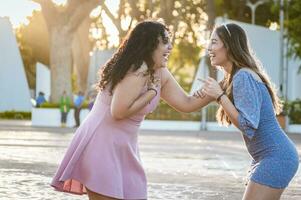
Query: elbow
pixel 190 106
pixel 187 108
pixel 184 109
pixel 117 115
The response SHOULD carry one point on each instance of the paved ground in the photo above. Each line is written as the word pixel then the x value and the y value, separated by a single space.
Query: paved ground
pixel 179 165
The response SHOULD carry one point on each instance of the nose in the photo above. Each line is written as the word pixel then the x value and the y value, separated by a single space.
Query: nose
pixel 209 47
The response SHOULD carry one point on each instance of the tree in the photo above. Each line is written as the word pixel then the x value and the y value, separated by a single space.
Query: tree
pixel 62 23
pixel 81 47
pixel 35 36
pixel 183 17
pixel 294 28
pixel 27 57
pixel 237 10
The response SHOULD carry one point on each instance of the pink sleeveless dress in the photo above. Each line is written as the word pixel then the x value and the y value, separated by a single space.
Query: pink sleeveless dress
pixel 104 156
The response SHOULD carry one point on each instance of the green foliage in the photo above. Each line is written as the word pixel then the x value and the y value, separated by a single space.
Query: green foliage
pixel 183 63
pixel 57 105
pixel 165 112
pixel 265 14
pixel 294 27
pixel 49 105
pixel 15 115
pixel 28 59
pixel 184 19
pixel 294 111
pixel 99 40
pixel 237 10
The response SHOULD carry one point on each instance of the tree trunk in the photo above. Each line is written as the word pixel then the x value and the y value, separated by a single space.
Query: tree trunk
pixel 62 23
pixel 60 62
pixel 81 63
pixel 210 10
pixel 81 47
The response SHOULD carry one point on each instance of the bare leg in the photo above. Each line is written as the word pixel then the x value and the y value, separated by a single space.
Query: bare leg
pixel 95 196
pixel 255 191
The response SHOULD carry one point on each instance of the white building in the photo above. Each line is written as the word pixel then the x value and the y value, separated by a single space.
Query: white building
pixel 97 60
pixel 14 90
pixel 43 80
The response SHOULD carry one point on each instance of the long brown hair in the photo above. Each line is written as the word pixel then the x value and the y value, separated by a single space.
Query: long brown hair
pixel 138 46
pixel 239 52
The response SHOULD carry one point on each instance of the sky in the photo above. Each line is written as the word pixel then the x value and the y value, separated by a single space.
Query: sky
pixel 17 10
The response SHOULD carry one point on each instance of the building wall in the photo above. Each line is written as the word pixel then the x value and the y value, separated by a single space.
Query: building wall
pixel 14 89
pixel 97 60
pixel 43 80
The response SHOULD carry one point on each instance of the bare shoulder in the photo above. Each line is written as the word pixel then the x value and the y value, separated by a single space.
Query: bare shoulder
pixel 133 78
pixel 141 72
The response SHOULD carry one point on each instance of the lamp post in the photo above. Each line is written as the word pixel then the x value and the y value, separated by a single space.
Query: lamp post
pixel 283 71
pixel 253 7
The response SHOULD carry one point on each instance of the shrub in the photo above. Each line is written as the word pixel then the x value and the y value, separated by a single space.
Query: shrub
pixel 57 105
pixel 165 112
pixel 294 111
pixel 15 115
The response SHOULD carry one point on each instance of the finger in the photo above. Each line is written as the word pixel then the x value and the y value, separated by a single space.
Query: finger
pixel 207 81
pixel 205 91
pixel 201 79
pixel 195 95
pixel 208 93
pixel 212 79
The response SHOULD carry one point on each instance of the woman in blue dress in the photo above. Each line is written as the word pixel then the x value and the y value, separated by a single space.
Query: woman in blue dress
pixel 248 100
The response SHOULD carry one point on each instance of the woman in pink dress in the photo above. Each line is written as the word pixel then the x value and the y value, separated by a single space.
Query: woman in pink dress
pixel 103 157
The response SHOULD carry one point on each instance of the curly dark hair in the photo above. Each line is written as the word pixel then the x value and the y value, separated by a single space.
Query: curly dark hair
pixel 138 46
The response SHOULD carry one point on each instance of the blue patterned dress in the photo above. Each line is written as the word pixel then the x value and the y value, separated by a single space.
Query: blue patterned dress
pixel 274 156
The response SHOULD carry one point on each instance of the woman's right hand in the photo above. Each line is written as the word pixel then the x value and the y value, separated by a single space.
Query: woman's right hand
pixel 199 93
pixel 212 88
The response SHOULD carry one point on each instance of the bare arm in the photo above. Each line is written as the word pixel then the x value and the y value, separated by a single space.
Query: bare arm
pixel 127 99
pixel 175 96
pixel 230 110
pixel 213 88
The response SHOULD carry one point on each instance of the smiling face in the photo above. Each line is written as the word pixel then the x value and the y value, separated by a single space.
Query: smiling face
pixel 217 51
pixel 161 53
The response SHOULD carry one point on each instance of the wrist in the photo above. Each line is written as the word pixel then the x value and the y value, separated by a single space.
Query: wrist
pixel 218 99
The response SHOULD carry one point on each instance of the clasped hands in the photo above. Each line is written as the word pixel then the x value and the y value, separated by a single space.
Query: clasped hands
pixel 211 88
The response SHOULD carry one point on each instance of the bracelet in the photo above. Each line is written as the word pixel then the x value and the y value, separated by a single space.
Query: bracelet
pixel 218 99
pixel 153 90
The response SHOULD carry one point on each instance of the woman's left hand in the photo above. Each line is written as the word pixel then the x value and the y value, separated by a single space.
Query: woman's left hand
pixel 212 88
pixel 154 84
